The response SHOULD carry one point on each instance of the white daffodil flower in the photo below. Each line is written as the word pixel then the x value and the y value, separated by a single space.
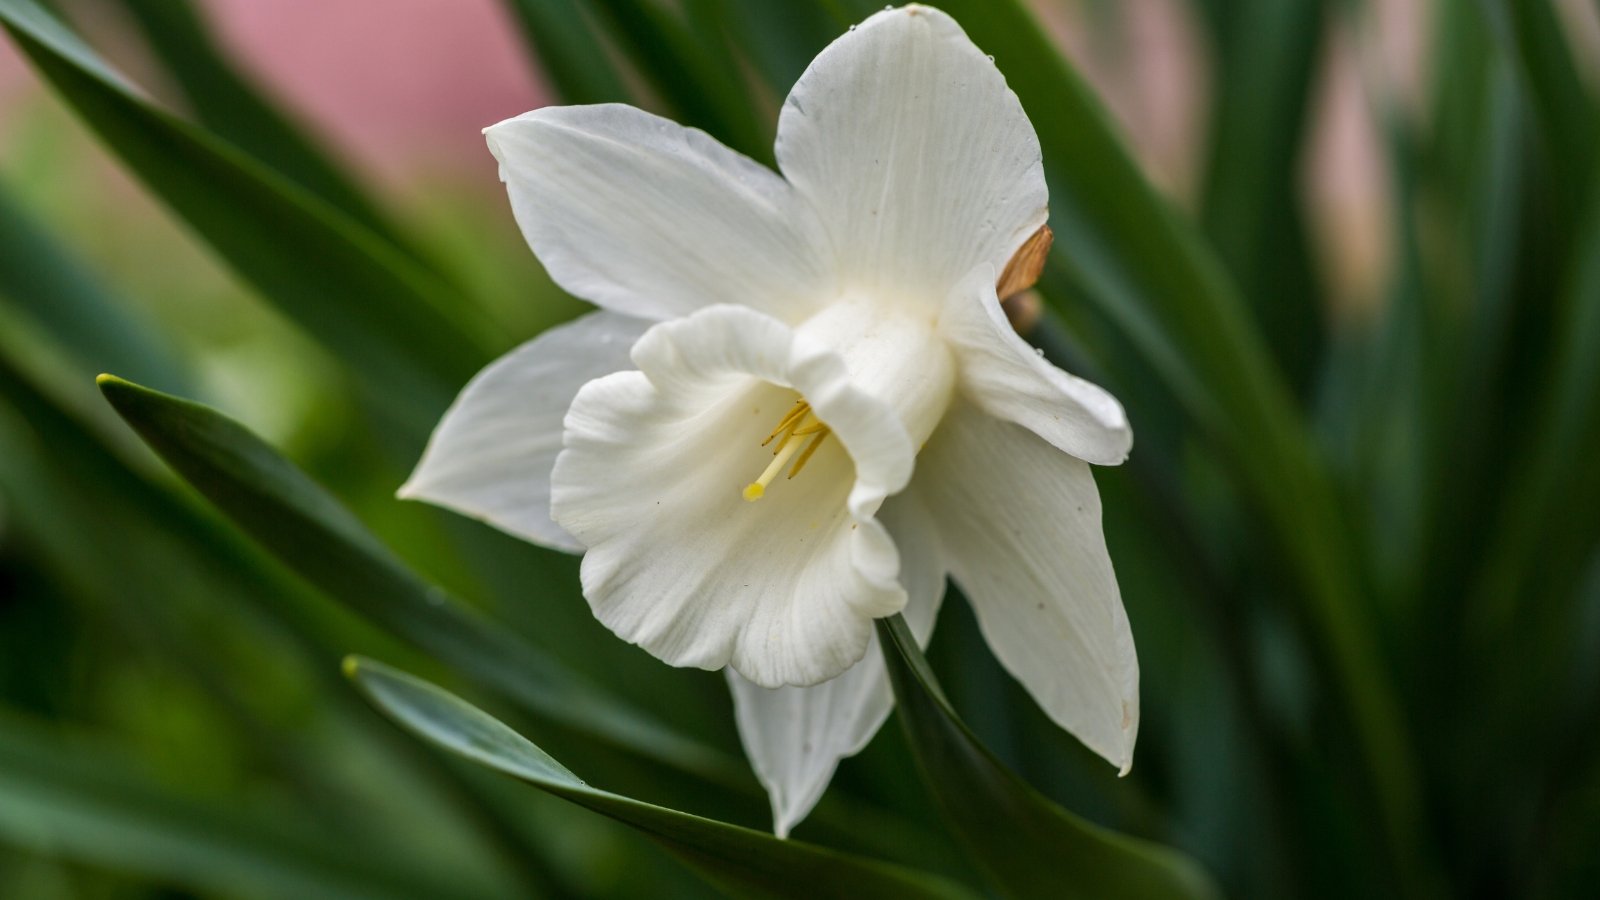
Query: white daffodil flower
pixel 800 406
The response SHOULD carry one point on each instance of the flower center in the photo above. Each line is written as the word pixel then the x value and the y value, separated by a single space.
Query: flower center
pixel 798 432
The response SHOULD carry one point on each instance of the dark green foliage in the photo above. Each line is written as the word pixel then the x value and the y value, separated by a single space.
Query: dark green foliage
pixel 1359 549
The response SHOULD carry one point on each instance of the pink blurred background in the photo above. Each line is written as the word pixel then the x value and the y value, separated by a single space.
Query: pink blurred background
pixel 397 85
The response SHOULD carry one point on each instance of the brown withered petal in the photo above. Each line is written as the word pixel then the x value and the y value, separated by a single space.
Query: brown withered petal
pixel 1023 270
pixel 1022 311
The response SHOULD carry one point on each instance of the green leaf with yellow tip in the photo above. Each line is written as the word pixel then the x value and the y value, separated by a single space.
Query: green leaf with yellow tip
pixel 743 862
pixel 314 535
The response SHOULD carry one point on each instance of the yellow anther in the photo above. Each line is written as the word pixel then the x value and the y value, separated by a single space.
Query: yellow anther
pixel 795 426
pixel 799 409
pixel 811 448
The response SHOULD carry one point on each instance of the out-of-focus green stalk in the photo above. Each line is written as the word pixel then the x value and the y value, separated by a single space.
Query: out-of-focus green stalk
pixel 1132 254
pixel 227 103
pixel 689 73
pixel 1569 121
pixel 1270 51
pixel 564 45
pixel 44 279
pixel 191 558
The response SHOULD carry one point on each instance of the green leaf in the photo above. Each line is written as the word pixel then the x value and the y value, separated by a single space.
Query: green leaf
pixel 1029 846
pixel 746 863
pixel 41 277
pixel 780 36
pixel 1548 531
pixel 1146 269
pixel 294 518
pixel 1251 209
pixel 1569 121
pixel 103 532
pixel 692 71
pixel 233 108
pixel 96 809
pixel 562 42
pixel 378 310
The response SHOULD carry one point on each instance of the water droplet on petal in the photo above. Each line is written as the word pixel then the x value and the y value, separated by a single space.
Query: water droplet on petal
pixel 852 28
pixel 991 57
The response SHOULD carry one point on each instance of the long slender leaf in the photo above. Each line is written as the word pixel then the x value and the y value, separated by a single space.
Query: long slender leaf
pixel 295 519
pixel 57 798
pixel 1478 165
pixel 1549 532
pixel 780 36
pixel 45 280
pixel 562 42
pixel 380 311
pixel 226 102
pixel 76 502
pixel 1029 846
pixel 744 862
pixel 1149 273
pixel 688 72
pixel 1569 119
pixel 1250 208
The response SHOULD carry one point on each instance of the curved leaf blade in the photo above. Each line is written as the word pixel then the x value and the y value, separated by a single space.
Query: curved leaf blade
pixel 746 863
pixel 94 808
pixel 309 531
pixel 690 69
pixel 563 44
pixel 1150 273
pixel 42 278
pixel 1567 117
pixel 1029 846
pixel 375 308
pixel 231 106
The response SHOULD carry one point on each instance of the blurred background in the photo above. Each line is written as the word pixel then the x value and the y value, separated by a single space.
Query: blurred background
pixel 1393 192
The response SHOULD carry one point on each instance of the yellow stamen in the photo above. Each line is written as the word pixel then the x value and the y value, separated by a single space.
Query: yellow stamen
pixel 799 409
pixel 797 425
pixel 810 449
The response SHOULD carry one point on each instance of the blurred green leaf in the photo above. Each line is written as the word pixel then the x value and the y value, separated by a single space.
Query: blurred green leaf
pixel 91 807
pixel 562 42
pixel 691 70
pixel 1270 51
pixel 233 108
pixel 779 36
pixel 744 862
pixel 1029 846
pixel 44 279
pixel 384 314
pixel 1550 531
pixel 1568 118
pixel 1146 268
pixel 1451 324
pixel 295 519
pixel 182 584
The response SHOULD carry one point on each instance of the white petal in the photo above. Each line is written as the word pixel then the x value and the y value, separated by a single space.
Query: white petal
pixel 643 216
pixel 795 736
pixel 1019 522
pixel 651 481
pixel 490 456
pixel 918 158
pixel 1010 380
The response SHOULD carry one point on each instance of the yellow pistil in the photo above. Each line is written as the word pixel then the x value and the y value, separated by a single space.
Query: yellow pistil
pixel 802 433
